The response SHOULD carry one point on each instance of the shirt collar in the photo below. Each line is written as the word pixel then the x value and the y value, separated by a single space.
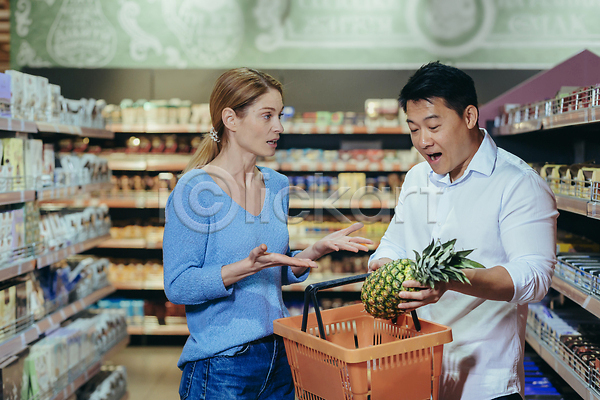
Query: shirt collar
pixel 483 162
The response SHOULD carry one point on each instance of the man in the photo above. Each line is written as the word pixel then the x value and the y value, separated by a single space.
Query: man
pixel 490 201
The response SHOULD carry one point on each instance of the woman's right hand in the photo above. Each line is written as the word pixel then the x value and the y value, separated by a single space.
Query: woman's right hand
pixel 257 260
pixel 260 259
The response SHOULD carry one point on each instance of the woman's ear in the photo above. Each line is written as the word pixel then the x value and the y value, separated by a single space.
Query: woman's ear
pixel 229 119
pixel 471 116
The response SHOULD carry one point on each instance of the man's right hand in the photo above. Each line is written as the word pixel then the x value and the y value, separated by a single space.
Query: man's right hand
pixel 375 265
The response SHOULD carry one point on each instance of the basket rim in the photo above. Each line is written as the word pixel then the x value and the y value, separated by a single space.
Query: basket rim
pixel 289 328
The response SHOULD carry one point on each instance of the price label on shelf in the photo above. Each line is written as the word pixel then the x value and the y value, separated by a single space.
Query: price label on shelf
pixel 348 129
pixel 334 129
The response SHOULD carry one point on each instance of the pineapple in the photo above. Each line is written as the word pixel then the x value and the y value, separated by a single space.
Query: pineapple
pixel 440 262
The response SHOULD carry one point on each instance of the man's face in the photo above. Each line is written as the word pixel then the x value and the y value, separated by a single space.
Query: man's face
pixel 444 138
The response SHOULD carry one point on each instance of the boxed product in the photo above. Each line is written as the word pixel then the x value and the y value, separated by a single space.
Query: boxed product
pixel 8 310
pixel 30 100
pixel 48 162
pixel 13 162
pixel 16 87
pixel 53 106
pixel 12 370
pixel 5 96
pixel 41 98
pixel 34 162
pixel 38 378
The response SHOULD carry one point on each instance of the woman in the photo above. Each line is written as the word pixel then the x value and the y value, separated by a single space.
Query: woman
pixel 226 251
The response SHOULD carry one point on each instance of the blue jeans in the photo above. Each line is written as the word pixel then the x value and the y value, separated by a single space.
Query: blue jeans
pixel 259 371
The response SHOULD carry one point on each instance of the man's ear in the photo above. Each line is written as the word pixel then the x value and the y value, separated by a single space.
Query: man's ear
pixel 229 119
pixel 471 116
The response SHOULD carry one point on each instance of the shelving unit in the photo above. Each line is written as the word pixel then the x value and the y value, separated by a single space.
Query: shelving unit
pixel 565 372
pixel 556 134
pixel 32 259
pixel 20 341
pixel 54 256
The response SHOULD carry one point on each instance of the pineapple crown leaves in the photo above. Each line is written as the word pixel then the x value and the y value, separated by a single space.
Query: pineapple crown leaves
pixel 440 262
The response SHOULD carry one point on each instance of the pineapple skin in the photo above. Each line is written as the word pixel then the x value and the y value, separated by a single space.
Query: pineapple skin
pixel 381 289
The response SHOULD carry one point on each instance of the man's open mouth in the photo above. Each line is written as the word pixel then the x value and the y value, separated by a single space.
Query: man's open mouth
pixel 434 156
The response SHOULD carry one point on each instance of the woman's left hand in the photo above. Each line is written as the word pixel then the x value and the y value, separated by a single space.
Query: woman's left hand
pixel 340 240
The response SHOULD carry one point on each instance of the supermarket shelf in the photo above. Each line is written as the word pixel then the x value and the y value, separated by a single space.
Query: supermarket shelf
pixel 90 371
pixel 16 269
pixel 74 130
pixel 143 200
pixel 578 206
pixel 316 277
pixel 370 202
pixel 159 330
pixel 312 129
pixel 572 204
pixel 70 191
pixel 288 128
pixel 85 376
pixel 135 243
pixel 17 125
pixel 147 162
pixel 57 255
pixel 17 197
pixel 345 166
pixel 158 128
pixel 586 115
pixel 140 285
pixel 177 162
pixel 21 341
pixel 588 302
pixel 570 376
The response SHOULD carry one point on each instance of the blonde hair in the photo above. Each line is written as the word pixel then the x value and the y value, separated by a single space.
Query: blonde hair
pixel 237 89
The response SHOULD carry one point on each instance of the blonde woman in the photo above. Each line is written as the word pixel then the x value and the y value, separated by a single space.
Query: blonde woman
pixel 226 252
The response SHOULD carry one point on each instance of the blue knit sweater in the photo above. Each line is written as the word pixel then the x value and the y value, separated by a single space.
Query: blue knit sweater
pixel 204 230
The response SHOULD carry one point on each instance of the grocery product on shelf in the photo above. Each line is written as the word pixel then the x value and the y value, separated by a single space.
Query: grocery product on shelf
pixel 34 98
pixel 569 106
pixel 58 359
pixel 108 384
pixel 70 226
pixel 571 335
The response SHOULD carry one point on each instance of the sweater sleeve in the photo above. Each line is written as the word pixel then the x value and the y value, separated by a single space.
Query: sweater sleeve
pixel 189 276
pixel 282 199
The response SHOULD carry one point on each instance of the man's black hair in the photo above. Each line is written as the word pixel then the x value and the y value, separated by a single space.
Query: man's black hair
pixel 435 79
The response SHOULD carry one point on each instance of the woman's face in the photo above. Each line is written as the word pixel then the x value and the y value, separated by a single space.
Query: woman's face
pixel 258 131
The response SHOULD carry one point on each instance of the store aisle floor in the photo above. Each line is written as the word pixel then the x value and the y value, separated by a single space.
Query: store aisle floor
pixel 152 371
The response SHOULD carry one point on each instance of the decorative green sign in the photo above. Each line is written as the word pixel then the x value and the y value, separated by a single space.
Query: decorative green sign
pixel 328 34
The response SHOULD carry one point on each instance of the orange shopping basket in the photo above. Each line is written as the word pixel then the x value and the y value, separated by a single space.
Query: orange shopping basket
pixel 344 353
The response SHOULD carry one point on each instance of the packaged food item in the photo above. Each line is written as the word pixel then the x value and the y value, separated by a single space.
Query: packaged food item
pixel 34 163
pixel 14 159
pixel 5 96
pixel 16 87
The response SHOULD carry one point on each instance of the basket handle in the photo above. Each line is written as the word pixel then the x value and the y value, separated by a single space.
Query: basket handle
pixel 310 293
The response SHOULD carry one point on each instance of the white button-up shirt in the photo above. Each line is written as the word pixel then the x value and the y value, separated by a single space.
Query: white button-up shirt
pixel 501 208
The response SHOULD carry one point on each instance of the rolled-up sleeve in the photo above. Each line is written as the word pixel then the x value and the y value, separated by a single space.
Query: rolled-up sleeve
pixel 188 279
pixel 528 232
